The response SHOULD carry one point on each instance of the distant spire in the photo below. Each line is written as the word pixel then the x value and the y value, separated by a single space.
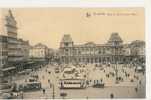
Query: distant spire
pixel 10 13
pixel 4 13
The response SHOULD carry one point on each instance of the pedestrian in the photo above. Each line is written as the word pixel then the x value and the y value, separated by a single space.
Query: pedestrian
pixel 101 80
pixel 143 72
pixel 128 75
pixel 43 77
pixel 111 95
pixel 87 82
pixel 136 89
pixel 113 74
pixel 140 82
pixel 50 85
pixel 48 81
pixel 22 96
pixel 94 81
pixel 97 81
pixel 11 94
pixel 43 91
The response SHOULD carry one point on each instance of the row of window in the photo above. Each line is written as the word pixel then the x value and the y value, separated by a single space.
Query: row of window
pixel 103 59
pixel 66 52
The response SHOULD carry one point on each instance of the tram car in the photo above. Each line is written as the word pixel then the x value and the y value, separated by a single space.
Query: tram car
pixel 72 83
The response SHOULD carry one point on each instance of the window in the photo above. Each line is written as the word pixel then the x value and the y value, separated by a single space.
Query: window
pixel 66 44
pixel 79 59
pixel 100 52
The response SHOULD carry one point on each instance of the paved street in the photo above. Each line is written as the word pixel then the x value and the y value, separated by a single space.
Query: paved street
pixel 122 89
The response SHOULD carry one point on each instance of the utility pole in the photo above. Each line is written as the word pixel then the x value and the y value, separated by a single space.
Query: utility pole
pixel 116 58
pixel 53 94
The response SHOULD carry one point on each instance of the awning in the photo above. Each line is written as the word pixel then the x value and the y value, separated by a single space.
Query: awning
pixel 31 62
pixel 6 96
pixel 28 70
pixel 9 68
pixel 139 68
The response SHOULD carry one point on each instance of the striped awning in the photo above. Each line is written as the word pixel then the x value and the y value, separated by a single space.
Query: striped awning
pixel 9 68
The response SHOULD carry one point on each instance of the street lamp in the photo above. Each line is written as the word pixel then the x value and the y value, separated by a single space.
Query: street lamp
pixel 116 57
pixel 53 94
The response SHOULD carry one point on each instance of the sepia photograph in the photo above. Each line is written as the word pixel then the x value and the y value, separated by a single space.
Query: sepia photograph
pixel 72 53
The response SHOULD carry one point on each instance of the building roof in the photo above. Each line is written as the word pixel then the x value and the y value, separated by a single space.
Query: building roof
pixel 126 45
pixel 137 43
pixel 3 14
pixel 90 44
pixel 6 17
pixel 66 38
pixel 40 45
pixel 115 38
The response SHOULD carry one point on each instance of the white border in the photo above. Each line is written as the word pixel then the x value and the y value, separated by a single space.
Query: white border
pixel 148 48
pixel 97 3
pixel 71 3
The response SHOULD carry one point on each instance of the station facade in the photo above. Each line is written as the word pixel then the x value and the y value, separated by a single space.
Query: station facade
pixel 114 51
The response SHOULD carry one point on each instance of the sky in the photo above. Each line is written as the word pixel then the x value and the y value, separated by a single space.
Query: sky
pixel 48 25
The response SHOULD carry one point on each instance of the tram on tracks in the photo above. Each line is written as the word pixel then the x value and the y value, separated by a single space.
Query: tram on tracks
pixel 72 84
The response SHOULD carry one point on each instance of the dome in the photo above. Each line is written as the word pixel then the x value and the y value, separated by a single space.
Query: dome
pixel 90 44
pixel 115 38
pixel 66 38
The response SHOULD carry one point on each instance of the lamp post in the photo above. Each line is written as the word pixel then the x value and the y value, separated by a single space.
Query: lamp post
pixel 116 58
pixel 53 93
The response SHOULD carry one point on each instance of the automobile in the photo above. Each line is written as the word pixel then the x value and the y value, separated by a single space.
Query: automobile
pixel 98 85
pixel 34 76
pixel 56 70
pixel 29 86
pixel 32 79
pixel 26 71
pixel 6 96
pixel 63 94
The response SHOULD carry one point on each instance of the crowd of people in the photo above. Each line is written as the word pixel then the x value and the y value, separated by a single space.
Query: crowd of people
pixel 105 73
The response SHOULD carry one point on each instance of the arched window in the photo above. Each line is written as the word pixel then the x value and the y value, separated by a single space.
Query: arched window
pixel 99 52
pixel 66 44
pixel 79 52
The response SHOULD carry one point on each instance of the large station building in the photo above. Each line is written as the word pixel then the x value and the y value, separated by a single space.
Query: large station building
pixel 114 51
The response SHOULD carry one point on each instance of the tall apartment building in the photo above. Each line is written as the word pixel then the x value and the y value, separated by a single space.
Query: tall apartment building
pixel 5 84
pixel 13 51
pixel 17 49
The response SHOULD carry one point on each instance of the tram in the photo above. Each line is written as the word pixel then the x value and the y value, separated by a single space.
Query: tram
pixel 72 83
pixel 29 86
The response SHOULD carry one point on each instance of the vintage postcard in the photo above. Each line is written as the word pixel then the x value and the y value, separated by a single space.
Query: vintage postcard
pixel 72 53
